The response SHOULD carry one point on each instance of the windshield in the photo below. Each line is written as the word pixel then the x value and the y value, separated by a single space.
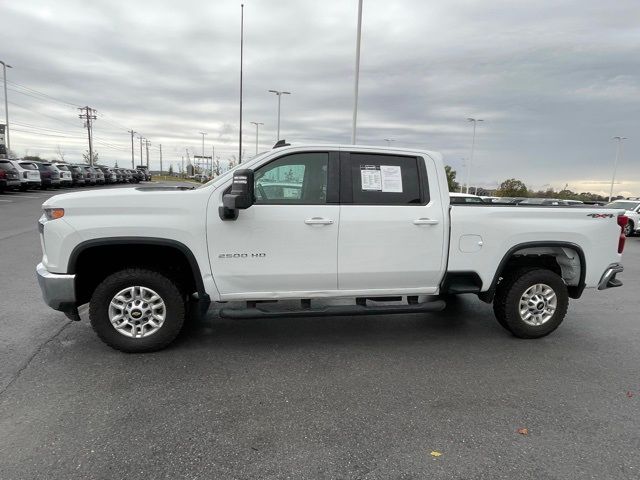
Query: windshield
pixel 224 176
pixel 62 167
pixel 623 205
pixel 28 166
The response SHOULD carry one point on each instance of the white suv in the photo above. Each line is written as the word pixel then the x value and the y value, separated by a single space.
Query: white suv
pixel 632 208
pixel 29 174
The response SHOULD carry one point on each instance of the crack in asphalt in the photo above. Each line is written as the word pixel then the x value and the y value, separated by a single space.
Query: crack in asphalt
pixel 33 355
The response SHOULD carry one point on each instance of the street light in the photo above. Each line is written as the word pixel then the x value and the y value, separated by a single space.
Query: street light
pixel 473 145
pixel 202 159
pixel 257 124
pixel 6 105
pixel 615 165
pixel 279 94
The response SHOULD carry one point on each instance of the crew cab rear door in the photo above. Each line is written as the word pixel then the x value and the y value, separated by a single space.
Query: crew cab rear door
pixel 286 243
pixel 392 223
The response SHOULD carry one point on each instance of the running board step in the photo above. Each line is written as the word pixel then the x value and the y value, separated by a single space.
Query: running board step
pixel 242 313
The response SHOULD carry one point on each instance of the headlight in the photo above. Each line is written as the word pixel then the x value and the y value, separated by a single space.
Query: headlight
pixel 53 213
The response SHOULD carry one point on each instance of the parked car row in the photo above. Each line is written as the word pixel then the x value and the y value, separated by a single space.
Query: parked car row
pixel 17 174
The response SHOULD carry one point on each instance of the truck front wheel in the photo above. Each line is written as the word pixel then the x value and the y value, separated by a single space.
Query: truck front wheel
pixel 136 310
pixel 531 303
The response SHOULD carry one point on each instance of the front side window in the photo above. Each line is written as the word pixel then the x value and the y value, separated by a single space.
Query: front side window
pixel 300 178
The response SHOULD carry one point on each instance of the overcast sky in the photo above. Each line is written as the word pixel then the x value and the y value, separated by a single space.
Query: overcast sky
pixel 554 80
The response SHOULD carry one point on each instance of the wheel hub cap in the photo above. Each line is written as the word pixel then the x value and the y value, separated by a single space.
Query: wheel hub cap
pixel 137 312
pixel 538 304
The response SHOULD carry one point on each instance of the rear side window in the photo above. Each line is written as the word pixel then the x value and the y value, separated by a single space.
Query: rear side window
pixel 6 166
pixel 370 179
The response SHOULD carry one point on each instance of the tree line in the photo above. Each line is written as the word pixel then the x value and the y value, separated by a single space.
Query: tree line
pixel 513 187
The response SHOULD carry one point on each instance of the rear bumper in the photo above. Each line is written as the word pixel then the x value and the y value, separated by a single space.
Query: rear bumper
pixel 608 279
pixel 58 290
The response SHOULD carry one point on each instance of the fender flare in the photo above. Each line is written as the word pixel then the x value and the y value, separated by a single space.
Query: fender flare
pixel 574 291
pixel 110 241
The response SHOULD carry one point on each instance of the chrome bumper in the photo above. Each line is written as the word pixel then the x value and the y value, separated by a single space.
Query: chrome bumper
pixel 58 290
pixel 608 279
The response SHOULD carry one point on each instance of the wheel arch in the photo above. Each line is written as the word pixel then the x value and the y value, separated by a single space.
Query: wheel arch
pixel 540 249
pixel 120 251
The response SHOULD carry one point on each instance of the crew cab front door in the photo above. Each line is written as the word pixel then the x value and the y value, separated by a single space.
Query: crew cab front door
pixel 286 243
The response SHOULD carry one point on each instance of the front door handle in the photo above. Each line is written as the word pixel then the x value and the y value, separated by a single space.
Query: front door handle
pixel 425 221
pixel 318 221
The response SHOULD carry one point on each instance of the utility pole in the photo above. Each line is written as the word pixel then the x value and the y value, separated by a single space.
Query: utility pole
pixel 6 107
pixel 615 165
pixel 147 143
pixel 160 159
pixel 89 115
pixel 241 60
pixel 357 76
pixel 141 157
pixel 257 124
pixel 182 169
pixel 133 160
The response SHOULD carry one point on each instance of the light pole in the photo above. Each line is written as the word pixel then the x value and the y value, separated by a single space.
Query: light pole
pixel 257 124
pixel 279 94
pixel 357 76
pixel 473 146
pixel 388 140
pixel 202 159
pixel 6 105
pixel 615 165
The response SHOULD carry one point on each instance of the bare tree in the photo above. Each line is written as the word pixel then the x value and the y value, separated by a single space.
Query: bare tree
pixel 60 152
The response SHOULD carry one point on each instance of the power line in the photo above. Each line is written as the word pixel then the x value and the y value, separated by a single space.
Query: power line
pixel 33 90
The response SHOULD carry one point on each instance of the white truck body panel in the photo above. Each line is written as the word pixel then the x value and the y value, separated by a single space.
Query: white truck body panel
pixel 366 250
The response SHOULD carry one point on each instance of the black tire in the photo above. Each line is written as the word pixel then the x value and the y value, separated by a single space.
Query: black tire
pixel 169 292
pixel 629 229
pixel 507 301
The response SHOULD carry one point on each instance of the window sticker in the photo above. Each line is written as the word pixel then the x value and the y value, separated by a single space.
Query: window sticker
pixel 391 178
pixel 371 178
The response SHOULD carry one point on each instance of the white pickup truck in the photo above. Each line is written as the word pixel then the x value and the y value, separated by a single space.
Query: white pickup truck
pixel 339 229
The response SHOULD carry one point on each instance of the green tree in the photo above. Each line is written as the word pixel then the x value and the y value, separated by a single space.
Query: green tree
pixel 512 188
pixel 171 169
pixel 34 158
pixel 451 178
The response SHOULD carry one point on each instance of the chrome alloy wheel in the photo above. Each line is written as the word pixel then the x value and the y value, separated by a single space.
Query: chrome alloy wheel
pixel 137 312
pixel 538 304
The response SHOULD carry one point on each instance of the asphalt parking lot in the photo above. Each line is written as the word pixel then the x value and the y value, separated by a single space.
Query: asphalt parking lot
pixel 345 397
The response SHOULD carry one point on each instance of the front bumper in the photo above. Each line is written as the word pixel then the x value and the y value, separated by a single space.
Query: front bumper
pixel 608 279
pixel 58 290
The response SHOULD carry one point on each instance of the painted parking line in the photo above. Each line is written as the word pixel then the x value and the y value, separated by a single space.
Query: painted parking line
pixel 8 201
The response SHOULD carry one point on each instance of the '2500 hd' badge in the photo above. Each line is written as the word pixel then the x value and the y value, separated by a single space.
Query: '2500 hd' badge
pixel 242 255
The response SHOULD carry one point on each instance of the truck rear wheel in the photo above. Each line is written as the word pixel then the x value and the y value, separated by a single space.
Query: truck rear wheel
pixel 531 303
pixel 136 310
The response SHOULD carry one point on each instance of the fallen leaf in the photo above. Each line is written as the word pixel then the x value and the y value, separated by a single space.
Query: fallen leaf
pixel 629 394
pixel 436 454
pixel 523 431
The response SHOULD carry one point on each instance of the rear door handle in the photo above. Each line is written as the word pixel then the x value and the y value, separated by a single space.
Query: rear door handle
pixel 318 221
pixel 425 221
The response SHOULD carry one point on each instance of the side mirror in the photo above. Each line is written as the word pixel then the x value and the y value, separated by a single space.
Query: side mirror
pixel 240 197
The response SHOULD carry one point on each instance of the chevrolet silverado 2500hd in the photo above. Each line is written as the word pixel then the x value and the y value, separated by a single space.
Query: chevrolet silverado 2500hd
pixel 370 229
